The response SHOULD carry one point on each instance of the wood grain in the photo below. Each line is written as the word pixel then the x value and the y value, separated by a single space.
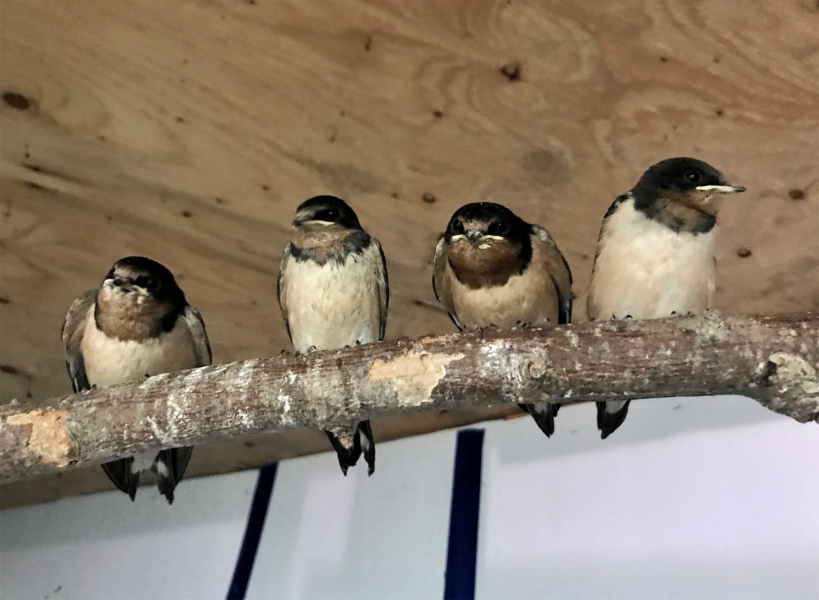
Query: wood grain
pixel 189 131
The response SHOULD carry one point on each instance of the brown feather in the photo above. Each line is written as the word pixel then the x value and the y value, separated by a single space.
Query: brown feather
pixel 129 316
pixel 477 300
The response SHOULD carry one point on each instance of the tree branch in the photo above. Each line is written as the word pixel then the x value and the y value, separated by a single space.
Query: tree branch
pixel 771 359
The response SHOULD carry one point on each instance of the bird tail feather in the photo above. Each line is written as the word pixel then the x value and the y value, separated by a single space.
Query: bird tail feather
pixel 120 474
pixel 350 448
pixel 544 415
pixel 610 415
pixel 365 441
pixel 170 466
pixel 347 456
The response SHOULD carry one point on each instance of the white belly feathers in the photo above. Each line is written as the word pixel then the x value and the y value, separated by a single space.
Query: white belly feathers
pixel 109 361
pixel 333 305
pixel 645 270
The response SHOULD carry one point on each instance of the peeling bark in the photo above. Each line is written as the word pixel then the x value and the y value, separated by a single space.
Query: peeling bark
pixel 772 359
pixel 48 436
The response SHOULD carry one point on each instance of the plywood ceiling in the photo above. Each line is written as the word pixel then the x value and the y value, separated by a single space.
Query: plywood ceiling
pixel 188 131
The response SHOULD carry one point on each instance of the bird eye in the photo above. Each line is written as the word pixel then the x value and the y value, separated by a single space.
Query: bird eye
pixel 330 215
pixel 148 283
pixel 693 176
pixel 499 228
pixel 457 227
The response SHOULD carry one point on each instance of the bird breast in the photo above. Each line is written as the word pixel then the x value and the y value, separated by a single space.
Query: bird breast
pixel 335 304
pixel 109 361
pixel 646 270
pixel 528 297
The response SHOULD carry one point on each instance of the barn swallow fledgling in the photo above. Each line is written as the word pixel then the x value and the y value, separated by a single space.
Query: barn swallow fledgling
pixel 656 252
pixel 136 325
pixel 493 268
pixel 334 292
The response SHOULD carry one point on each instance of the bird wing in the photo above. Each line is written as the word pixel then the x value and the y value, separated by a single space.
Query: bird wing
pixel 71 334
pixel 592 302
pixel 441 284
pixel 281 293
pixel 175 460
pixel 200 337
pixel 559 271
pixel 383 290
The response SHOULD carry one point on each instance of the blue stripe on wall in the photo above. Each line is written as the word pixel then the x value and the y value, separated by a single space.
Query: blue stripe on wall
pixel 253 532
pixel 462 551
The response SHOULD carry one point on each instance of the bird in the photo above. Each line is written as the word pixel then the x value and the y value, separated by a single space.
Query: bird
pixel 492 268
pixel 656 253
pixel 137 324
pixel 333 291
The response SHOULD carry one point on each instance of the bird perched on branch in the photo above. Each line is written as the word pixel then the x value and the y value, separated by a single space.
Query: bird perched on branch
pixel 136 325
pixel 334 292
pixel 656 252
pixel 493 268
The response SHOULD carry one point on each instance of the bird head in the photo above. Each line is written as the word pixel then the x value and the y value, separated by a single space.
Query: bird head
pixel 136 280
pixel 325 212
pixel 688 182
pixel 486 238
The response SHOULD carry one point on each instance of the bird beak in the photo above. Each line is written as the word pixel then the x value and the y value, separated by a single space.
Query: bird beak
pixel 721 189
pixel 307 219
pixel 474 236
pixel 121 283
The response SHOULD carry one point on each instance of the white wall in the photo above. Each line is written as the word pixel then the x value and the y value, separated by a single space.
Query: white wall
pixel 103 546
pixel 699 513
pixel 691 498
